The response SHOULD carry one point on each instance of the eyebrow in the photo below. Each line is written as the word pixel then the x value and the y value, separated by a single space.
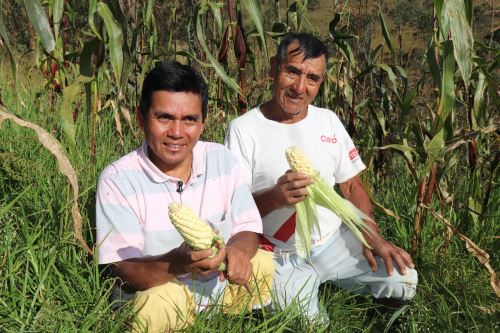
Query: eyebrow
pixel 161 113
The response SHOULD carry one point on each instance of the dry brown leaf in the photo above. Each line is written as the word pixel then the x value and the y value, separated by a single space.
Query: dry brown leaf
pixel 65 167
pixel 480 254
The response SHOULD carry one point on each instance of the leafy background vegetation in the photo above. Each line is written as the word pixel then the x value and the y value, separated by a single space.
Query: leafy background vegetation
pixel 415 82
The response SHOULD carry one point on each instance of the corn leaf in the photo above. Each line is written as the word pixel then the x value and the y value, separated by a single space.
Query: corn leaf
pixel 92 10
pixel 58 11
pixel 115 40
pixel 479 99
pixel 255 13
pixel 149 12
pixel 385 32
pixel 447 98
pixel 37 16
pixel 213 61
pixel 463 40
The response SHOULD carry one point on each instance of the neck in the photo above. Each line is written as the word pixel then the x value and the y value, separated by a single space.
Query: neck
pixel 273 111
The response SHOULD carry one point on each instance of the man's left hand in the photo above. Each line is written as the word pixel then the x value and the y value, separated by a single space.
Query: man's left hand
pixel 390 254
pixel 239 267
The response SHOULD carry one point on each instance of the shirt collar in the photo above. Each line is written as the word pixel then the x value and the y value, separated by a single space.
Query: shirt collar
pixel 157 176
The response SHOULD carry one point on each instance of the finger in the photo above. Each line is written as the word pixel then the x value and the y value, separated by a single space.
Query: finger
pixel 222 276
pixel 407 259
pixel 400 263
pixel 371 259
pixel 198 255
pixel 388 265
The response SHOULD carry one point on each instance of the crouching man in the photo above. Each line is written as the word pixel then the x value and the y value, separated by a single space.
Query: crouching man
pixel 166 280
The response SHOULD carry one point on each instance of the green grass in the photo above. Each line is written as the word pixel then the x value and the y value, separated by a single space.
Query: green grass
pixel 49 284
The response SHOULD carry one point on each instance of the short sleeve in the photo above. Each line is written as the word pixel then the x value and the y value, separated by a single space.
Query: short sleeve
pixel 244 212
pixel 350 163
pixel 119 233
pixel 235 143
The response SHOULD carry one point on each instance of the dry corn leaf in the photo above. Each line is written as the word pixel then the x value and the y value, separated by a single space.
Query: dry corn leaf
pixel 479 253
pixel 65 167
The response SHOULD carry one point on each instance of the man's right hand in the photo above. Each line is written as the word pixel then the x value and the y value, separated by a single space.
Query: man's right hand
pixel 291 188
pixel 198 261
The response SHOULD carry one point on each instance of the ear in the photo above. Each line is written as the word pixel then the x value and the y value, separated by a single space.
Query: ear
pixel 139 118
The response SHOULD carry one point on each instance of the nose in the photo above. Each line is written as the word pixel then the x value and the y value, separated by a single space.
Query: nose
pixel 175 129
pixel 299 85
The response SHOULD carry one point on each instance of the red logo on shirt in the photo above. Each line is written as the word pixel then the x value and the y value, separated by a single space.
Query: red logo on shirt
pixel 353 153
pixel 328 139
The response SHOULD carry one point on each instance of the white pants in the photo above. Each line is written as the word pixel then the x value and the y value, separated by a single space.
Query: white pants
pixel 339 259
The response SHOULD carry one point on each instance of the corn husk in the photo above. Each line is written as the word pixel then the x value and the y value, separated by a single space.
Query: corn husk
pixel 321 193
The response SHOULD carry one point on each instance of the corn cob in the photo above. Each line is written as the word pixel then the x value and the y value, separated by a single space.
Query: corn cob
pixel 321 193
pixel 196 233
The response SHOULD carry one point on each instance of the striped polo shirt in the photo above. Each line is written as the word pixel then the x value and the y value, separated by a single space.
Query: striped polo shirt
pixel 133 197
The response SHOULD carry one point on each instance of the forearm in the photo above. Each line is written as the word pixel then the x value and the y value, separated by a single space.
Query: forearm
pixel 354 191
pixel 245 241
pixel 144 273
pixel 266 201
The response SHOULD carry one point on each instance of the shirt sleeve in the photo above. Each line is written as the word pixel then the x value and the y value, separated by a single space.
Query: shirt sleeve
pixel 244 212
pixel 119 233
pixel 350 163
pixel 235 143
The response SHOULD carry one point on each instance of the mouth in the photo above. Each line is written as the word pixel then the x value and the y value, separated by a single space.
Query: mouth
pixel 173 147
pixel 294 97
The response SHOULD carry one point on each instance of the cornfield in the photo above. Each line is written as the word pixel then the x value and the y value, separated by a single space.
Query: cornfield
pixel 416 84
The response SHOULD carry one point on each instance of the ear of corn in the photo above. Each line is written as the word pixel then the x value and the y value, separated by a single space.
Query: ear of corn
pixel 321 193
pixel 196 233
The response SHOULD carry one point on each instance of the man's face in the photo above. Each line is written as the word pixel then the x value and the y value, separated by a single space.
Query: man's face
pixel 297 82
pixel 172 128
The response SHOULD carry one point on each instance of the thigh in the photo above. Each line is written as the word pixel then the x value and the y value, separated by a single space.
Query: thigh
pixel 340 257
pixel 163 308
pixel 296 283
pixel 240 299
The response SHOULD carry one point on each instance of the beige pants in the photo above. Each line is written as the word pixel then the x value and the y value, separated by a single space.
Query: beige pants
pixel 171 306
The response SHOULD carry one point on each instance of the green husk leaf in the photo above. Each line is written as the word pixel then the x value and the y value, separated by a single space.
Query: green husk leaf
pixel 302 231
pixel 325 196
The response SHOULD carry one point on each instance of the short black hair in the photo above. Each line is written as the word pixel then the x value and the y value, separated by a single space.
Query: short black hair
pixel 176 77
pixel 309 45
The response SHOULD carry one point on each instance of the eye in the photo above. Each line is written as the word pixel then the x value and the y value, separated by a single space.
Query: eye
pixel 190 120
pixel 314 79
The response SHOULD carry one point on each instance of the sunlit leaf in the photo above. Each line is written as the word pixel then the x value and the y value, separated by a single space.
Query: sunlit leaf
pixel 463 40
pixel 213 61
pixel 115 40
pixel 257 18
pixel 447 99
pixel 38 19
pixel 58 11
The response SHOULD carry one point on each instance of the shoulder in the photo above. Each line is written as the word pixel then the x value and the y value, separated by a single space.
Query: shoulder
pixel 246 119
pixel 215 152
pixel 121 167
pixel 323 113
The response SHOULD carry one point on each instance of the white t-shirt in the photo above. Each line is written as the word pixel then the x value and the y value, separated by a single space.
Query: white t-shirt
pixel 260 144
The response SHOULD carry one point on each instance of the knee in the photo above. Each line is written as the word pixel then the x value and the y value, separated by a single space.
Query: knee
pixel 163 308
pixel 401 287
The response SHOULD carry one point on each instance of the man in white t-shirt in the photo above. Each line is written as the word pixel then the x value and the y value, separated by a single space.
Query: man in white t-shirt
pixel 259 139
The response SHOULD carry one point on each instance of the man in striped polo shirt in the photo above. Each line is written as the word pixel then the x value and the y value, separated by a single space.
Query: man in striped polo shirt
pixel 167 281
